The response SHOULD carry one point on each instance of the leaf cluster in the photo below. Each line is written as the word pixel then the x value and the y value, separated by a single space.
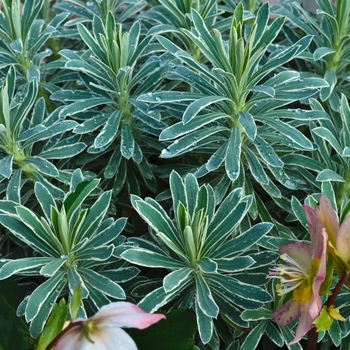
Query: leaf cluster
pixel 230 114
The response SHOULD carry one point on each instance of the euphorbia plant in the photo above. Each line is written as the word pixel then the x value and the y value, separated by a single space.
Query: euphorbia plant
pixel 74 245
pixel 244 106
pixel 204 253
pixel 123 127
pixel 236 113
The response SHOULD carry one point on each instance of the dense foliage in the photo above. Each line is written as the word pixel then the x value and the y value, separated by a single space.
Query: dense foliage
pixel 160 152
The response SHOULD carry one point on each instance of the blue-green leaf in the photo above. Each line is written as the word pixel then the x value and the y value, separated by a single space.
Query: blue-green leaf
pixel 234 264
pixel 255 167
pixel 205 324
pixel 11 267
pixel 328 136
pixel 329 175
pixel 321 52
pixel 127 145
pixel 44 166
pixel 254 315
pixel 204 298
pixel 41 231
pixel 217 158
pixel 233 155
pixel 248 124
pixel 81 106
pixel 26 235
pixel 195 107
pixel 176 278
pixel 62 152
pixel 244 241
pixel 52 267
pixel 290 132
pixel 253 338
pixel 267 90
pixel 109 130
pixel 6 166
pixel 148 258
pixel 75 198
pixel 207 265
pixel 102 283
pixel 157 298
pixel 41 294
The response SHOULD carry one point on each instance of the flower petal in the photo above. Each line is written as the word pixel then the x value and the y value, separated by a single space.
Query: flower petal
pixel 73 339
pixel 111 338
pixel 343 240
pixel 287 313
pixel 322 270
pixel 300 252
pixel 103 337
pixel 315 229
pixel 306 320
pixel 315 307
pixel 312 308
pixel 125 314
pixel 328 218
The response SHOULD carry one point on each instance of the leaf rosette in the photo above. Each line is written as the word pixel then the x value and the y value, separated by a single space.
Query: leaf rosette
pixel 209 266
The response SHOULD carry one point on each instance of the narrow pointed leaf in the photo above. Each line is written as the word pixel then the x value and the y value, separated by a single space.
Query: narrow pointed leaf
pixel 233 155
pixel 39 296
pixel 148 258
pixel 173 280
pixel 204 297
pixel 6 166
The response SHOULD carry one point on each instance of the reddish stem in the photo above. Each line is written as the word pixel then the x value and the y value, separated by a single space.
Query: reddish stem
pixel 337 289
pixel 312 339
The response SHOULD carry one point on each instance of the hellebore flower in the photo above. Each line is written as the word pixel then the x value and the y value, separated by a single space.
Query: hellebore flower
pixel 339 237
pixel 303 274
pixel 102 331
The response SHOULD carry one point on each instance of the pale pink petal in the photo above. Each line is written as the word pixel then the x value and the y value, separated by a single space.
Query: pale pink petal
pixel 111 338
pixel 104 338
pixel 300 252
pixel 315 307
pixel 287 313
pixel 304 324
pixel 328 218
pixel 315 229
pixel 343 240
pixel 73 339
pixel 125 314
pixel 322 270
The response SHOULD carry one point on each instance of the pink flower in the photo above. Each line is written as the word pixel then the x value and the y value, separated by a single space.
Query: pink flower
pixel 102 331
pixel 303 274
pixel 339 237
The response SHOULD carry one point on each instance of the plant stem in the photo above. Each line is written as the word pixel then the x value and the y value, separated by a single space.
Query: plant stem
pixel 337 289
pixel 312 339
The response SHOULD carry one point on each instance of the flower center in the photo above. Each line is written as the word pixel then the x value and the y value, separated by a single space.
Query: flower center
pixel 88 328
pixel 294 277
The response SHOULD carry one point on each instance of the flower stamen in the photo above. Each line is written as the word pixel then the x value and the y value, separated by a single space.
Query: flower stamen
pixel 291 276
